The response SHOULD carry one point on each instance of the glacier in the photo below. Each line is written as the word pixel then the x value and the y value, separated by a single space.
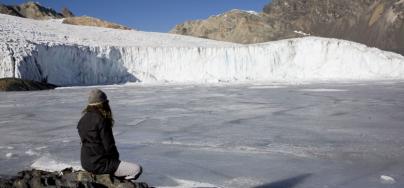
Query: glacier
pixel 68 55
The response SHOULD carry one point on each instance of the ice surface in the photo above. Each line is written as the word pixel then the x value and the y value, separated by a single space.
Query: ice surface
pixel 189 184
pixel 233 136
pixel 77 55
pixel 323 90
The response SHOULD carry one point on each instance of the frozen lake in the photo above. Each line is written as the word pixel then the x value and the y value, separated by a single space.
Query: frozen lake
pixel 263 136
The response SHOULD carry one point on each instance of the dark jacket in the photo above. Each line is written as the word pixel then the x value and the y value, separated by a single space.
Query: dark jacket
pixel 99 154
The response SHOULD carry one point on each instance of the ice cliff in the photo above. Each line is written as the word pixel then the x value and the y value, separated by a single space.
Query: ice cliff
pixel 80 55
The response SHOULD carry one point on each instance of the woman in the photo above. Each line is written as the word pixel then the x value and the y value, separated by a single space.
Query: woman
pixel 99 154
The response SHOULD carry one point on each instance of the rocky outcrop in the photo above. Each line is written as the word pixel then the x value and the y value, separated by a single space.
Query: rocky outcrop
pixel 15 84
pixel 67 13
pixel 4 9
pixel 67 178
pixel 234 26
pixel 30 10
pixel 90 21
pixel 376 23
pixel 36 11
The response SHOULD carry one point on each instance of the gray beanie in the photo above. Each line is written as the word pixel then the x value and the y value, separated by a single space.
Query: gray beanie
pixel 96 97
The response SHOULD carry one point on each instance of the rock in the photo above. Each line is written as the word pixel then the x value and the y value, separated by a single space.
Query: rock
pixel 15 84
pixel 4 9
pixel 36 11
pixel 66 178
pixel 234 26
pixel 67 13
pixel 30 10
pixel 376 23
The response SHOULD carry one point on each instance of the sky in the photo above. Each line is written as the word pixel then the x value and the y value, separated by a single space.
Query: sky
pixel 149 15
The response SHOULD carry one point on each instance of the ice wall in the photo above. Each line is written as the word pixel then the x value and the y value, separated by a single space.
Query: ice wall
pixel 306 59
pixel 71 55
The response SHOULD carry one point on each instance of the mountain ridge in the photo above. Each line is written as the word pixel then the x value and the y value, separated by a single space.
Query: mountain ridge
pixel 34 10
pixel 31 10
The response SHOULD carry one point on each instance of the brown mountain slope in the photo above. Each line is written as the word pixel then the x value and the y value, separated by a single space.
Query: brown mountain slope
pixel 235 26
pixel 90 21
pixel 378 23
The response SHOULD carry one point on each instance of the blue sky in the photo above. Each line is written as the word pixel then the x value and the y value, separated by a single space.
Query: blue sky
pixel 149 15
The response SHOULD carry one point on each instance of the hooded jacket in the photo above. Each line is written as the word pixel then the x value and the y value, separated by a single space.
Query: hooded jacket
pixel 99 154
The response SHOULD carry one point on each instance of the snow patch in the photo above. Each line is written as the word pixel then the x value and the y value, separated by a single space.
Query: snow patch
pixel 10 155
pixel 252 12
pixel 301 33
pixel 384 179
pixel 48 163
pixel 30 152
pixel 238 11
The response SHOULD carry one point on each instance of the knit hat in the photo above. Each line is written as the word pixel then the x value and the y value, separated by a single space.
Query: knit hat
pixel 96 97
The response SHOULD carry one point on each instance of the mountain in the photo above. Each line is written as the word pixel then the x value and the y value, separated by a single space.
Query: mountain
pixel 30 10
pixel 68 55
pixel 376 23
pixel 36 11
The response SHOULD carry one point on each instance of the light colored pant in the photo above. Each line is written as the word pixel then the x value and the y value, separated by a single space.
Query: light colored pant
pixel 128 170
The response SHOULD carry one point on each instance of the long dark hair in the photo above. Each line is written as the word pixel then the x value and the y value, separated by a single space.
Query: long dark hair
pixel 103 109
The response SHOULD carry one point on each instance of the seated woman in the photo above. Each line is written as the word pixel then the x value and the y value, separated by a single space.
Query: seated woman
pixel 99 154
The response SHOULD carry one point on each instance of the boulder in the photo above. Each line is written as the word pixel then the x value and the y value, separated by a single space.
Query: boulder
pixel 16 84
pixel 66 178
